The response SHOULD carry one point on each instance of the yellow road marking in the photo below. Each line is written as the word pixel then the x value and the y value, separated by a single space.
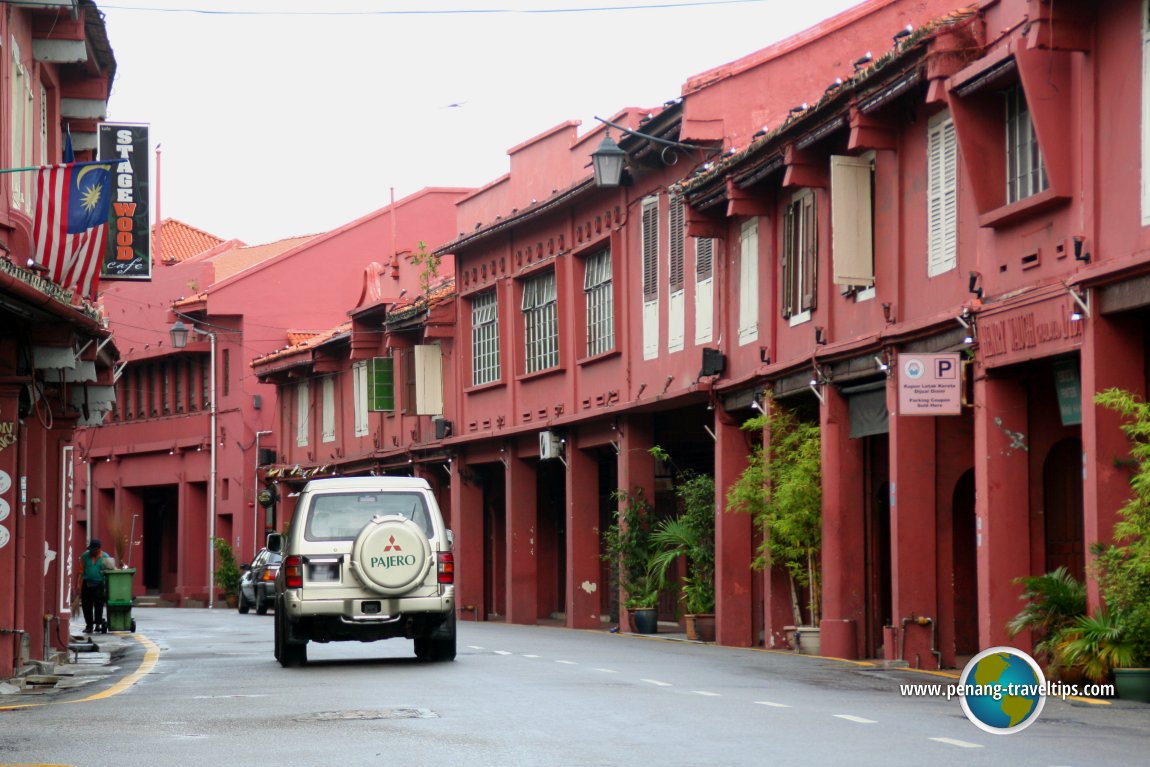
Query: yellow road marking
pixel 151 655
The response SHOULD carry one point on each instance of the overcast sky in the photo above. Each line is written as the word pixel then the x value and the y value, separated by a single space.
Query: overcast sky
pixel 287 117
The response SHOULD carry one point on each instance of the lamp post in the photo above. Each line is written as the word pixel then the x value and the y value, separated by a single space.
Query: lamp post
pixel 179 334
pixel 256 505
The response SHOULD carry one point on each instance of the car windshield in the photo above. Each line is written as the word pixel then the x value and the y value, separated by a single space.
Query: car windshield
pixel 340 516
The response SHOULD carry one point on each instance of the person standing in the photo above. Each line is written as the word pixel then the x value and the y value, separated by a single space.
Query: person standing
pixel 90 583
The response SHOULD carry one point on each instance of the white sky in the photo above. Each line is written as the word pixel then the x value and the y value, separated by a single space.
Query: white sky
pixel 289 117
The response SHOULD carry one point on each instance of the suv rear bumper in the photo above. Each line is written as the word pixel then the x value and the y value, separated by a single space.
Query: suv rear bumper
pixel 347 619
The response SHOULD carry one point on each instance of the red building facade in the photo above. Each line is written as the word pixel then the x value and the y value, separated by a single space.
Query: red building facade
pixel 176 463
pixel 56 356
pixel 915 180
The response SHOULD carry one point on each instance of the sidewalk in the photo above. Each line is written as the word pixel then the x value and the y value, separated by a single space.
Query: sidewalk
pixel 89 662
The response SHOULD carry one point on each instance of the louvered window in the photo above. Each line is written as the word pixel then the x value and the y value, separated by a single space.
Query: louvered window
pixel 1025 170
pixel 328 390
pixel 676 236
pixel 484 339
pixel 597 287
pixel 800 257
pixel 651 249
pixel 540 323
pixel 942 195
pixel 359 397
pixel 852 220
pixel 302 409
pixel 749 282
pixel 704 258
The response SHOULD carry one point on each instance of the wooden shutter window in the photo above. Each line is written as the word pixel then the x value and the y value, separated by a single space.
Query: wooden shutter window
pixel 810 252
pixel 852 218
pixel 677 235
pixel 651 249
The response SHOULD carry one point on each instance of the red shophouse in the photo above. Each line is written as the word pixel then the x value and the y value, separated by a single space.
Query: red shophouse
pixel 176 463
pixel 56 356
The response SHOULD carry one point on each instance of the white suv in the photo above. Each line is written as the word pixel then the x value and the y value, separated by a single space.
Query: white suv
pixel 365 558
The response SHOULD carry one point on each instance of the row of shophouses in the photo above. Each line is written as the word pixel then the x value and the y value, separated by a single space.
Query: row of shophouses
pixel 905 178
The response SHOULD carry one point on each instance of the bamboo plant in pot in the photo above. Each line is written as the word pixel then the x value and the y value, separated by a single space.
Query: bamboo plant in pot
pixel 781 487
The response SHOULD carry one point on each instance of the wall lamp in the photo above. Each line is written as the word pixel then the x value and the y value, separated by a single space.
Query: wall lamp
pixel 609 158
pixel 882 362
pixel 755 404
pixel 820 335
pixel 765 355
pixel 975 285
pixel 967 321
pixel 888 313
pixel 1079 254
pixel 1081 305
pixel 818 379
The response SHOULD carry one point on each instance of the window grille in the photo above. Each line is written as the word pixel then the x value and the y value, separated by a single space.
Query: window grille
pixel 1025 171
pixel 540 323
pixel 484 339
pixel 600 303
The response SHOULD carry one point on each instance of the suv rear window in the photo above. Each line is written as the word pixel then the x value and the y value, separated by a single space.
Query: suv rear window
pixel 340 516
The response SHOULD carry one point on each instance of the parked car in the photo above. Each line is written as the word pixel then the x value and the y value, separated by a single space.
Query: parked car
pixel 258 583
pixel 365 558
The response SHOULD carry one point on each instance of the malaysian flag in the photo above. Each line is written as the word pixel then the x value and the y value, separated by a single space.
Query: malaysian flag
pixel 71 225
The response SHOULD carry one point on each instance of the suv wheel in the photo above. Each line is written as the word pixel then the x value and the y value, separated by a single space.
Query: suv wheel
pixel 439 643
pixel 242 604
pixel 287 652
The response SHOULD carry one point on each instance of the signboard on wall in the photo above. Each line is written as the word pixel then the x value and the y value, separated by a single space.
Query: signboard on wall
pixel 129 255
pixel 929 384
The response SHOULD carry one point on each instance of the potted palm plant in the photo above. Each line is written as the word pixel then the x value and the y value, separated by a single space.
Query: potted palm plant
pixel 629 550
pixel 1054 602
pixel 227 573
pixel 781 487
pixel 691 535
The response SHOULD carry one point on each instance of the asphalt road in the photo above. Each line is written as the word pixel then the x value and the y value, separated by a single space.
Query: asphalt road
pixel 201 685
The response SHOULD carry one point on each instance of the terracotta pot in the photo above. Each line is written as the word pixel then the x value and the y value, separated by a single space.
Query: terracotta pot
pixel 701 627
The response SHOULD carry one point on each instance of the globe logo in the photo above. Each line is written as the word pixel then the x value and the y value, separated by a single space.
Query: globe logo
pixel 914 368
pixel 1002 690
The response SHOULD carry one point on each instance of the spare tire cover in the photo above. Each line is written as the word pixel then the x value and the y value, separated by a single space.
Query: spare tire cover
pixel 391 555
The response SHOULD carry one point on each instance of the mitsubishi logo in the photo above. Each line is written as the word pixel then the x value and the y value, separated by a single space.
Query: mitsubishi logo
pixel 392 545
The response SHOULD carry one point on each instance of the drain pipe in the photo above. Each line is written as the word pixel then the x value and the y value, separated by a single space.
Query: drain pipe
pixel 21 637
pixel 921 621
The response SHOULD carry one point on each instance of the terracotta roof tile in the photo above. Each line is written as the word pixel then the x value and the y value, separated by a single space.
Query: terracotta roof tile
pixel 179 242
pixel 238 259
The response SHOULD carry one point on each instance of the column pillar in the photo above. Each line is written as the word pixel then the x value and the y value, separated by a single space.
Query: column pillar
pixel 467 510
pixel 636 473
pixel 844 532
pixel 1112 356
pixel 734 542
pixel 522 531
pixel 582 597
pixel 1001 481
pixel 913 534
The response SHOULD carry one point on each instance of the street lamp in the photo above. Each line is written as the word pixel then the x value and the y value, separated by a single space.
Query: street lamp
pixel 179 334
pixel 608 162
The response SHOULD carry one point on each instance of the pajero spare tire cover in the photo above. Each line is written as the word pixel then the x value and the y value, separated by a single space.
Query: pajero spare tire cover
pixel 391 555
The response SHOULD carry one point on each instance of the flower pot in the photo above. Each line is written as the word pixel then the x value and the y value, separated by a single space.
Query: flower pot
pixel 645 620
pixel 1132 684
pixel 807 639
pixel 701 627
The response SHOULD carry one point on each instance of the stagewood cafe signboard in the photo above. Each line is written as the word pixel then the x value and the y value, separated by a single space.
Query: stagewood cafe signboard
pixel 129 255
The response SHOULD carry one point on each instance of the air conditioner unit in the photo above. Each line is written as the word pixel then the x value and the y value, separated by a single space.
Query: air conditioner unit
pixel 550 446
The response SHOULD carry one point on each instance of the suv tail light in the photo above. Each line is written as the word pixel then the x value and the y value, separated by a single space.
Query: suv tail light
pixel 445 572
pixel 293 572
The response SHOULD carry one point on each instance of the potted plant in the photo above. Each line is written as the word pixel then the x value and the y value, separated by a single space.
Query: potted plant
pixel 781 487
pixel 1116 641
pixel 227 573
pixel 1054 602
pixel 691 535
pixel 628 547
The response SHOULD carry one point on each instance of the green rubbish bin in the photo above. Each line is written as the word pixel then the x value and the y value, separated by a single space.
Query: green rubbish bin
pixel 119 603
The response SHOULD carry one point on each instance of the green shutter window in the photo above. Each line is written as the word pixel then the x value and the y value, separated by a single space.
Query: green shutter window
pixel 380 385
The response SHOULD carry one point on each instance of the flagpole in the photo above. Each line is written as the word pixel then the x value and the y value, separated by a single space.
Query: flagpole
pixel 30 168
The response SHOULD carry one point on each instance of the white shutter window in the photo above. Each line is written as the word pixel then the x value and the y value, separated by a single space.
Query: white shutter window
pixel 359 396
pixel 302 409
pixel 704 290
pixel 676 320
pixel 942 195
pixel 749 282
pixel 1146 113
pixel 852 217
pixel 428 380
pixel 650 249
pixel 329 409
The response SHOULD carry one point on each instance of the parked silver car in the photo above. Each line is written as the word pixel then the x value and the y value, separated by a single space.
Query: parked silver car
pixel 258 583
